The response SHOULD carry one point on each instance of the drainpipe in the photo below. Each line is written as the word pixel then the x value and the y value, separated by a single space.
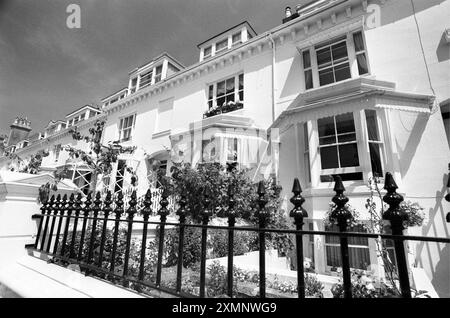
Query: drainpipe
pixel 274 139
pixel 273 75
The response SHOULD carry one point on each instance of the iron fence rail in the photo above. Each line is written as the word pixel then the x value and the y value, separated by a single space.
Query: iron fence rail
pixel 58 214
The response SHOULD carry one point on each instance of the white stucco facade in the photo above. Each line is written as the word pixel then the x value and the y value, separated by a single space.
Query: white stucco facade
pixel 403 81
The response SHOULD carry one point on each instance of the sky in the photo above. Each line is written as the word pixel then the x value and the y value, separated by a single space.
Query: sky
pixel 47 69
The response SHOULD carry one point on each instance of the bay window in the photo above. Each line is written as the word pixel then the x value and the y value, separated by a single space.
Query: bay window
pixel 226 91
pixel 349 145
pixel 334 59
pixel 338 146
pixel 375 143
pixel 358 249
pixel 126 127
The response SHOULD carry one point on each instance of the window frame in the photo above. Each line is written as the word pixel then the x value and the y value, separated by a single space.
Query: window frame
pixel 220 42
pixel 212 102
pixel 130 128
pixel 334 63
pixel 158 76
pixel 348 38
pixel 340 170
pixel 205 56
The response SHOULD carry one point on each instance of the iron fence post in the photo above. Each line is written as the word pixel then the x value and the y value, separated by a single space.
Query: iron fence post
pixel 299 213
pixel 146 211
pixel 49 212
pixel 396 216
pixel 205 214
pixel 95 210
pixel 67 223
pixel 43 209
pixel 62 209
pixel 106 211
pixel 181 212
pixel 163 212
pixel 78 208
pixel 55 211
pixel 130 215
pixel 342 216
pixel 231 222
pixel 86 210
pixel 447 196
pixel 262 215
pixel 118 213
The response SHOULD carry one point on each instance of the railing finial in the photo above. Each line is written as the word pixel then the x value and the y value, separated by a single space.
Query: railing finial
pixel 394 214
pixel 298 212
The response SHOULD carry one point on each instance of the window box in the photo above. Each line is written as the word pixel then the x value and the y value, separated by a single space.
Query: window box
pixel 226 108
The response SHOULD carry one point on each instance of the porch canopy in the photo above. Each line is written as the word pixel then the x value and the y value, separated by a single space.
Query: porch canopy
pixel 348 96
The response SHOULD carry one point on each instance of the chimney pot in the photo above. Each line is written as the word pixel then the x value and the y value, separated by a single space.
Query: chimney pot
pixel 288 12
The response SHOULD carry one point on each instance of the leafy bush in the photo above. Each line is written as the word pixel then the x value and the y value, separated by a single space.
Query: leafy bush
pixel 191 246
pixel 365 286
pixel 243 241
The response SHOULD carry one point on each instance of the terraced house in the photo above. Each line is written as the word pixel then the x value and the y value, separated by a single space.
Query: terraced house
pixel 341 87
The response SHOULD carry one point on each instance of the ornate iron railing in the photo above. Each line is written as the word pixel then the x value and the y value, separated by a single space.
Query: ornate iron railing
pixel 63 233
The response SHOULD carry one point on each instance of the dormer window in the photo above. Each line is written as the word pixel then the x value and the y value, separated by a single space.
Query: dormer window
pixel 236 39
pixel 133 85
pixel 207 52
pixel 226 40
pixel 158 74
pixel 222 45
pixel 146 79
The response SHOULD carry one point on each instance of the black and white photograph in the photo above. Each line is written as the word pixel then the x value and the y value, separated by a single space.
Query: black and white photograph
pixel 225 156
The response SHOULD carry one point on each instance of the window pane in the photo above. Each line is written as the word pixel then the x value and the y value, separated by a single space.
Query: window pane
pixel 346 138
pixel 348 155
pixel 372 127
pixel 241 81
pixel 326 76
pixel 221 88
pixel 339 51
pixel 306 59
pixel 230 85
pixel 327 140
pixel 308 79
pixel 241 96
pixel 207 51
pixel 362 63
pixel 236 38
pixel 210 92
pixel 326 126
pixel 345 123
pixel 324 57
pixel 306 136
pixel 375 159
pixel 359 42
pixel 329 157
pixel 221 45
pixel 221 101
pixel 342 72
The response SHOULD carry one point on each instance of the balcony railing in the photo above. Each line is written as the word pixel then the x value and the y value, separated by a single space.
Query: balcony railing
pixel 82 232
pixel 225 108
